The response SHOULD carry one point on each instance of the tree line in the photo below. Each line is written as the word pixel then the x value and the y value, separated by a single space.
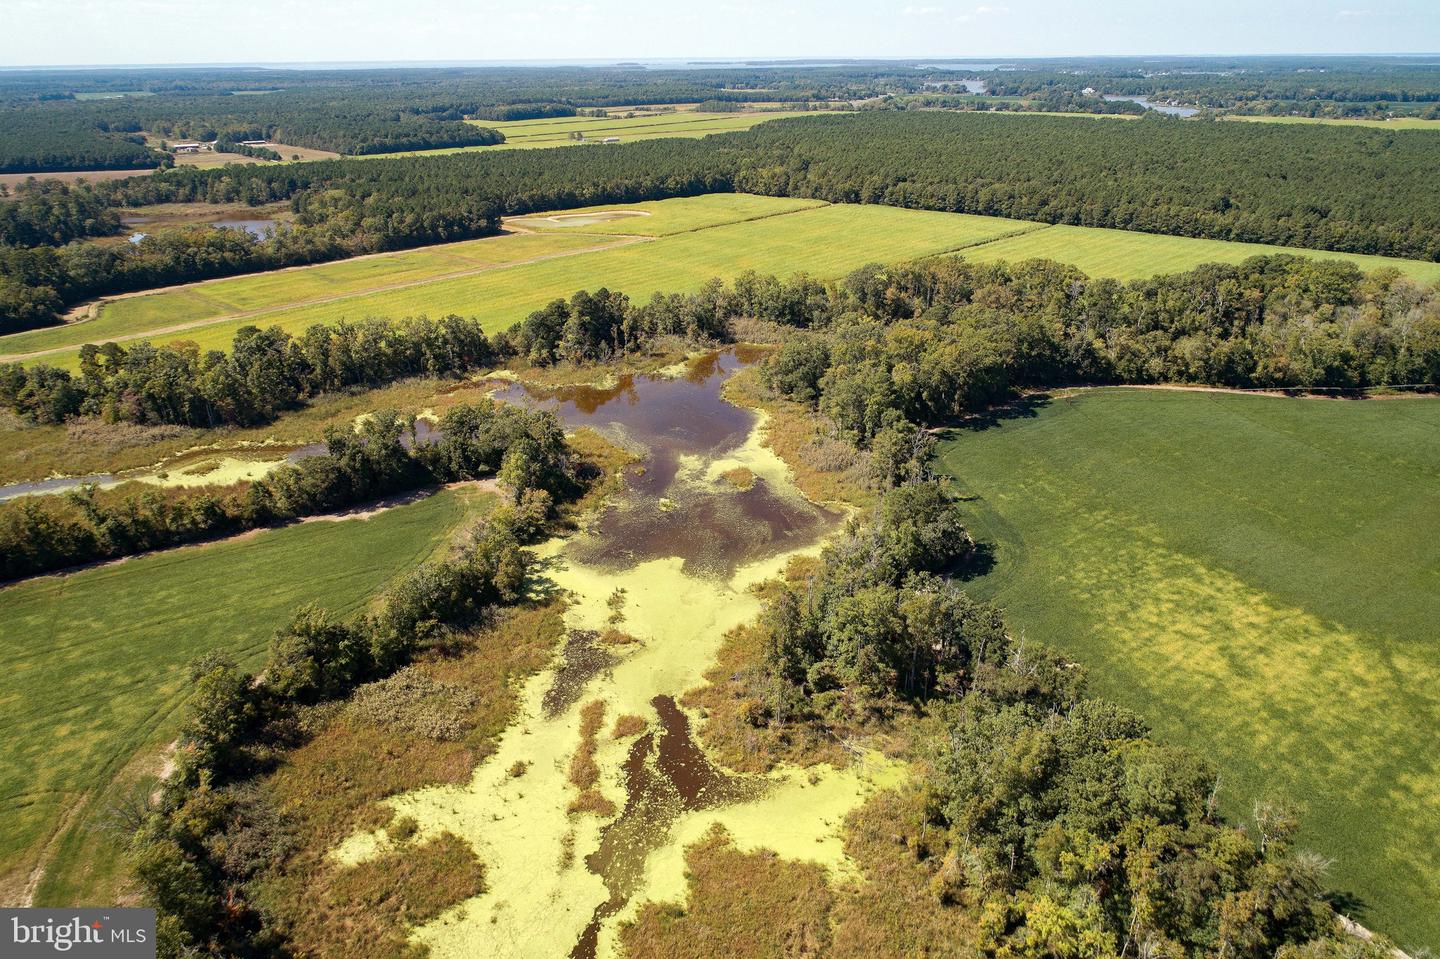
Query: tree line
pixel 1287 184
pixel 382 456
pixel 923 342
pixel 929 342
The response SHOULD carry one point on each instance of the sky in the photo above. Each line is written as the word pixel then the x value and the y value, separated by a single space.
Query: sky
pixel 58 32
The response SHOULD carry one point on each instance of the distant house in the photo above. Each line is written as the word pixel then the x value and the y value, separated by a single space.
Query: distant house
pixel 254 143
pixel 184 148
pixel 1088 92
pixel 611 140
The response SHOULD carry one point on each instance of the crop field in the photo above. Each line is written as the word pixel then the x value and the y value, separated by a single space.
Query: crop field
pixel 109 646
pixel 268 291
pixel 658 218
pixel 824 240
pixel 557 132
pixel 1125 255
pixel 676 245
pixel 1260 578
pixel 1398 123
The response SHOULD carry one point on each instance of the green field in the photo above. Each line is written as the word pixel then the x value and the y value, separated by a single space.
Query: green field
pixel 108 647
pixel 1258 576
pixel 524 134
pixel 230 297
pixel 1399 123
pixel 788 236
pixel 677 246
pixel 666 217
pixel 537 134
pixel 1133 256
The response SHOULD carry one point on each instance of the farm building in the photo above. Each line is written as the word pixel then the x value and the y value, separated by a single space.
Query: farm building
pixel 185 148
pixel 611 140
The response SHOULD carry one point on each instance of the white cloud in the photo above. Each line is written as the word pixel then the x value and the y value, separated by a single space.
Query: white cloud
pixel 984 10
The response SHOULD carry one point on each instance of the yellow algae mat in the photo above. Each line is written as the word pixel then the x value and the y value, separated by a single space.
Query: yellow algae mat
pixel 559 879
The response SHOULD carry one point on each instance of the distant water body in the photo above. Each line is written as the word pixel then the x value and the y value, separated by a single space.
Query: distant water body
pixel 1164 108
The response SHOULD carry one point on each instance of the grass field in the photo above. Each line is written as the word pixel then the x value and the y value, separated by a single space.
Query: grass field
pixel 218 298
pixel 543 133
pixel 666 217
pixel 1399 123
pixel 108 648
pixel 824 240
pixel 691 240
pixel 1132 256
pixel 556 132
pixel 89 176
pixel 1258 576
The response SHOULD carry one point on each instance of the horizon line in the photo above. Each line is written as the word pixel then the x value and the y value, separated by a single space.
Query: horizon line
pixel 680 62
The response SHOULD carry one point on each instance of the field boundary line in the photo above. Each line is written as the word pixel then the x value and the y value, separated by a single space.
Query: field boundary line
pixel 974 244
pixel 819 205
pixel 620 241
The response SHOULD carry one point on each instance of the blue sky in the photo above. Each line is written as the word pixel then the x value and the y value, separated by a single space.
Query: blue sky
pixel 36 32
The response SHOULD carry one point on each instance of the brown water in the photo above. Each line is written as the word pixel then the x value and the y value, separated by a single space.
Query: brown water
pixel 662 780
pixel 666 511
pixel 581 661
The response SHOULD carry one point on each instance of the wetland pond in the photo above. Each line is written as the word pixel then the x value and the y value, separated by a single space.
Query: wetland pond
pixel 707 512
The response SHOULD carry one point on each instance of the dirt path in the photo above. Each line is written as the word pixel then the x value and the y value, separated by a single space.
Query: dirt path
pixel 92 308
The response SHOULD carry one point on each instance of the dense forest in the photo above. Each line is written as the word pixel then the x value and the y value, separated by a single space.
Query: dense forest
pixel 37 139
pixel 1333 189
pixel 1292 185
pixel 93 119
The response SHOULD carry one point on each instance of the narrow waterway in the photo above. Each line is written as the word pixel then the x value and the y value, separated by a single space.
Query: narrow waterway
pixel 221 469
pixel 708 512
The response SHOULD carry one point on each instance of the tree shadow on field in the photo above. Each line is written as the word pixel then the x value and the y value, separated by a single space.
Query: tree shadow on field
pixel 976 563
pixel 1024 408
pixel 1348 904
